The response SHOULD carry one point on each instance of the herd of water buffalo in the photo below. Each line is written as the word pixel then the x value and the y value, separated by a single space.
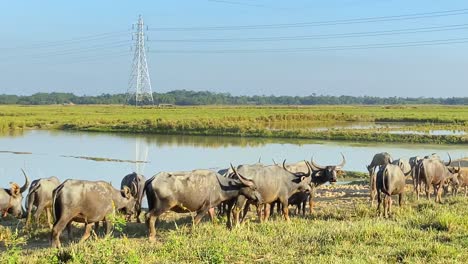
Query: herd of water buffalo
pixel 231 191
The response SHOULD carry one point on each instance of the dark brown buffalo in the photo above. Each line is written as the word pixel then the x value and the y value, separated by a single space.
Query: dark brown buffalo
pixel 136 183
pixel 434 172
pixel 87 202
pixel 390 181
pixel 194 191
pixel 11 199
pixel 40 196
pixel 379 160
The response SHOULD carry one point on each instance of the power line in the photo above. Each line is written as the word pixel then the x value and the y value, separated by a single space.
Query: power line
pixel 72 51
pixel 327 48
pixel 323 23
pixel 101 36
pixel 326 36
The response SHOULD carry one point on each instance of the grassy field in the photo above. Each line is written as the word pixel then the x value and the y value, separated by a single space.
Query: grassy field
pixel 343 229
pixel 245 121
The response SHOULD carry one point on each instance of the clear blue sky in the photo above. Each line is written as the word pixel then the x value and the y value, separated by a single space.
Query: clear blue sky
pixel 48 46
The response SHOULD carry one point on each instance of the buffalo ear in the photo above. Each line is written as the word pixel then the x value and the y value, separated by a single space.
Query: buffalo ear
pixel 126 192
pixel 303 178
pixel 15 189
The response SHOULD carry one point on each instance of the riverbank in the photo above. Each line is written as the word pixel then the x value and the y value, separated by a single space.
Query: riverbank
pixel 294 122
pixel 344 228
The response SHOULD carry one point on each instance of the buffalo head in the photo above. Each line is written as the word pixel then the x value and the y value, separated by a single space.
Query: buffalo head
pixel 328 173
pixel 129 201
pixel 15 198
pixel 249 188
pixel 302 178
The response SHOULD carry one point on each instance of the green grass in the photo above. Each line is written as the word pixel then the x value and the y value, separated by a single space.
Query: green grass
pixel 420 232
pixel 244 121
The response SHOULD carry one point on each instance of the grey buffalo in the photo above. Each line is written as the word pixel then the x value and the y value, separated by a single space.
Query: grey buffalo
pixel 320 175
pixel 390 181
pixel 136 183
pixel 40 196
pixel 11 199
pixel 434 172
pixel 87 202
pixel 274 183
pixel 194 191
pixel 379 159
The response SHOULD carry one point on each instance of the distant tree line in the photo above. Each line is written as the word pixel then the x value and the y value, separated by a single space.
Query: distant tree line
pixel 184 97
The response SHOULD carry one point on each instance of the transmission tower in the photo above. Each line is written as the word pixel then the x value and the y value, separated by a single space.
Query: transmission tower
pixel 139 85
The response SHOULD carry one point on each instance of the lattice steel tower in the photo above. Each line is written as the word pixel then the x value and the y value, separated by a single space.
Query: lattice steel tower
pixel 139 85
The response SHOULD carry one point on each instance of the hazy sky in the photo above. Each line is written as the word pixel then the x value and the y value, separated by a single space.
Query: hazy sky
pixel 84 46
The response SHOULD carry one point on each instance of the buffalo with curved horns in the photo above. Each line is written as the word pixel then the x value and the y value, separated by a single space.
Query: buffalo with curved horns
pixel 11 199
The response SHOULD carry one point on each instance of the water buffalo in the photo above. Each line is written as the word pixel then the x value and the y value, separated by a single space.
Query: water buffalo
pixel 404 165
pixel 320 175
pixel 434 172
pixel 414 162
pixel 323 174
pixel 40 196
pixel 136 183
pixel 379 159
pixel 390 181
pixel 274 183
pixel 87 202
pixel 194 191
pixel 461 181
pixel 11 199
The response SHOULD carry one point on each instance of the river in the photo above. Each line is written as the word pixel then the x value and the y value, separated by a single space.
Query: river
pixel 45 153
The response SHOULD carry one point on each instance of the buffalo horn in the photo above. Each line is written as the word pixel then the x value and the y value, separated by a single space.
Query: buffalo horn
pixel 26 184
pixel 309 170
pixel 450 160
pixel 315 165
pixel 284 166
pixel 242 179
pixel 341 165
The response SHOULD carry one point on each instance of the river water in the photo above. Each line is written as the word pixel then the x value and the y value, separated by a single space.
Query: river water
pixel 45 153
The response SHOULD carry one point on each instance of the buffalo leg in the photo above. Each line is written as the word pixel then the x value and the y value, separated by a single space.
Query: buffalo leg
pixel 87 232
pixel 228 211
pixel 400 199
pixel 49 217
pixel 38 213
pixel 108 226
pixel 284 203
pixel 259 212
pixel 466 190
pixel 311 201
pixel 240 202
pixel 57 230
pixel 30 205
pixel 386 205
pixel 200 214
pixel 428 194
pixel 303 208
pixel 267 211
pixel 246 210
pixel 211 212
pixel 379 202
pixel 151 220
